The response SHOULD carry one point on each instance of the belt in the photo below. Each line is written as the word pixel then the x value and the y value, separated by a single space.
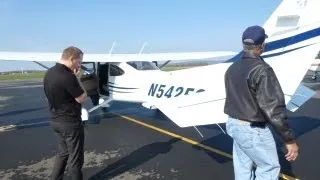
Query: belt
pixel 254 124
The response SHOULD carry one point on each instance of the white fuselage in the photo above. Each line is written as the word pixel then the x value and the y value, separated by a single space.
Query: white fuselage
pixel 130 86
pixel 139 85
pixel 151 86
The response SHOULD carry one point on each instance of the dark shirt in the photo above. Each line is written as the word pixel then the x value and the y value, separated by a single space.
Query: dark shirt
pixel 61 88
pixel 254 94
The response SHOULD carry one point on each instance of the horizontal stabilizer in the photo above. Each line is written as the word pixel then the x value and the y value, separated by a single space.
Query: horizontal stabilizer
pixel 211 112
pixel 202 113
pixel 302 95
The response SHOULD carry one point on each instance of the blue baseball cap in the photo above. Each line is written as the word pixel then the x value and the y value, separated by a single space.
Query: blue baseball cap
pixel 254 35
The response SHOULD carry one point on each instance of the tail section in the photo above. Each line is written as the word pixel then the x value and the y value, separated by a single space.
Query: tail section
pixel 293 43
pixel 292 14
pixel 288 18
pixel 207 107
pixel 290 55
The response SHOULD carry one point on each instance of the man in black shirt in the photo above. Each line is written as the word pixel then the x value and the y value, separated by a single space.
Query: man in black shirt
pixel 65 96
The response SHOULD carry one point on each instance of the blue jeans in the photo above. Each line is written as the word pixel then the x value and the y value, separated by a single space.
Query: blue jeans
pixel 253 145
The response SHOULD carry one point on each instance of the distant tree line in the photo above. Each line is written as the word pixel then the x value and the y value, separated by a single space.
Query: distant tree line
pixel 24 71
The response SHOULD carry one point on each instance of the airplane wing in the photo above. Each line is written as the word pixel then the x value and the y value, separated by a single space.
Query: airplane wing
pixel 53 57
pixel 207 107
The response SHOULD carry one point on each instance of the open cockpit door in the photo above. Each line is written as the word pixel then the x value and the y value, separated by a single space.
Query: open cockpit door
pixel 95 77
pixel 103 72
pixel 89 78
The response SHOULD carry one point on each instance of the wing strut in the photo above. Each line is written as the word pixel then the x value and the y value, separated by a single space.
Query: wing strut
pixel 201 133
pixel 144 45
pixel 198 131
pixel 164 64
pixel 100 105
pixel 46 67
pixel 114 42
pixel 221 128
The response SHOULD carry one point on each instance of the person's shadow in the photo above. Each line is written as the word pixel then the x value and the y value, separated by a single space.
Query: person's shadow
pixel 135 158
pixel 16 112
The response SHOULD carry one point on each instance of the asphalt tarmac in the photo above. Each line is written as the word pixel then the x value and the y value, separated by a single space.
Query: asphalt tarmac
pixel 131 142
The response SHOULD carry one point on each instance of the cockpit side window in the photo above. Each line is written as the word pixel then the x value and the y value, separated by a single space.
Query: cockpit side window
pixel 143 65
pixel 115 70
pixel 88 67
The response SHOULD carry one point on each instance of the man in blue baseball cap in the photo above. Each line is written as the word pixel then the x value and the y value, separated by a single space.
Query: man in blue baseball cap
pixel 254 101
pixel 254 35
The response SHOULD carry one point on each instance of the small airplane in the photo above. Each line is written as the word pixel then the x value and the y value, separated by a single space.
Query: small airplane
pixel 195 96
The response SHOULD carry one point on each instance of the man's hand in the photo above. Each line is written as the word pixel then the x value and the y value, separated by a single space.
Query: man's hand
pixel 77 72
pixel 292 151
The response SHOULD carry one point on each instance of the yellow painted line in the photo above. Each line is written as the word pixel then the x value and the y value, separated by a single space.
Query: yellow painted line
pixel 7 128
pixel 190 141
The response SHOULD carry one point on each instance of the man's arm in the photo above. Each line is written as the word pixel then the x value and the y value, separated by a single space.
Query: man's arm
pixel 75 88
pixel 271 100
pixel 84 95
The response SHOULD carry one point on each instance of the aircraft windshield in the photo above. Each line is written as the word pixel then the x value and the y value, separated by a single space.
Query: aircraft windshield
pixel 143 65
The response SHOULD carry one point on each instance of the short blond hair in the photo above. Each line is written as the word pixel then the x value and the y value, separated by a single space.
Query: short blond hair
pixel 71 52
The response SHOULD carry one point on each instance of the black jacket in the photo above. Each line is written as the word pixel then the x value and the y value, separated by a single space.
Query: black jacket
pixel 254 94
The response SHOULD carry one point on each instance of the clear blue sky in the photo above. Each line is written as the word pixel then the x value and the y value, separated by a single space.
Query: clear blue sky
pixel 167 25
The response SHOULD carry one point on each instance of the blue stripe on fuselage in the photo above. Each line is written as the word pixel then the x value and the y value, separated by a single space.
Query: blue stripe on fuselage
pixel 283 52
pixel 281 43
pixel 292 40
